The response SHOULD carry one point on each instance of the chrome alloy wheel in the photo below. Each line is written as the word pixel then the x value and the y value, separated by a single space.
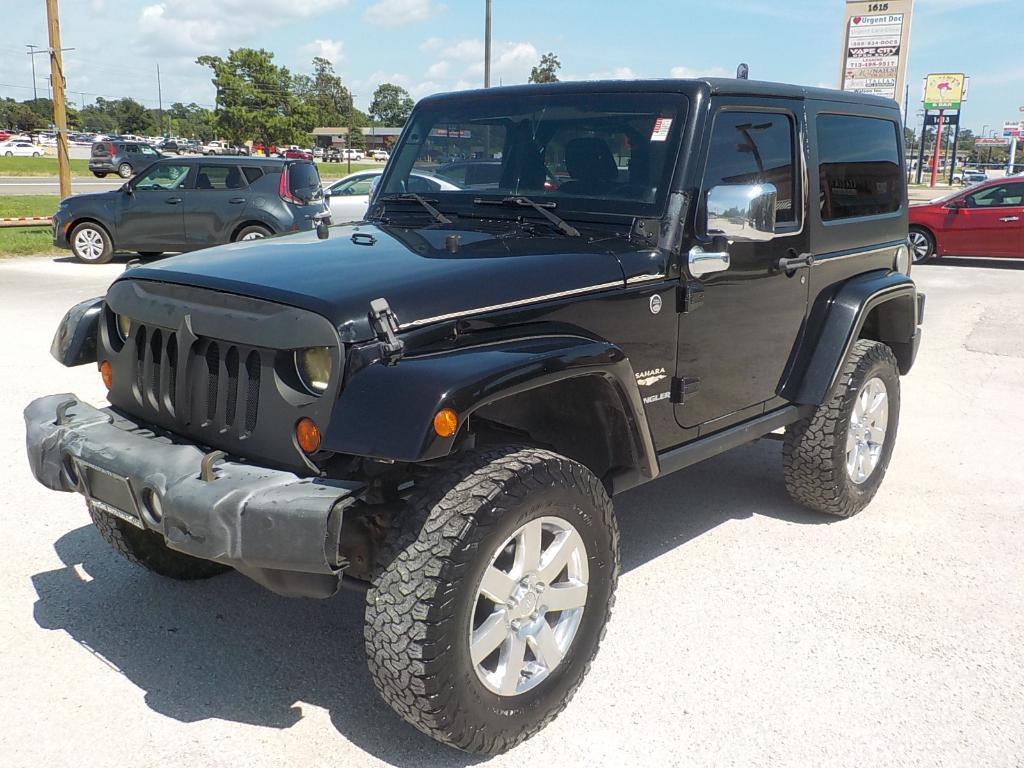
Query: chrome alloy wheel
pixel 528 606
pixel 918 246
pixel 866 433
pixel 252 236
pixel 88 244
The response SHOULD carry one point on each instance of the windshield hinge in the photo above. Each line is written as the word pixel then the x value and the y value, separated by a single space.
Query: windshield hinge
pixel 690 297
pixel 384 322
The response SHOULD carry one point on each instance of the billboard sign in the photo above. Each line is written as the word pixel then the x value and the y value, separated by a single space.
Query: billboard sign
pixel 996 141
pixel 947 120
pixel 944 91
pixel 876 36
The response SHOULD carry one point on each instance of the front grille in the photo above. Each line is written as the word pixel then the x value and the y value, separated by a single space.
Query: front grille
pixel 214 379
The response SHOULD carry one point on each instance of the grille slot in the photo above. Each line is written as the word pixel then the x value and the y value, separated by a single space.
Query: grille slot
pixel 222 379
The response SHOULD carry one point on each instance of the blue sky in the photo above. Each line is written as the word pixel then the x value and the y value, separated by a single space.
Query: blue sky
pixel 429 46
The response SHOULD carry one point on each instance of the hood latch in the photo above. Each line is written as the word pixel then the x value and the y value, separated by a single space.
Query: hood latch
pixel 384 322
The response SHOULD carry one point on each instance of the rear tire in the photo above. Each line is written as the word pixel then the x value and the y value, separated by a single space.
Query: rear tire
pixel 834 460
pixel 252 232
pixel 91 244
pixel 922 245
pixel 147 549
pixel 150 254
pixel 461 638
pixel 99 175
pixel 124 171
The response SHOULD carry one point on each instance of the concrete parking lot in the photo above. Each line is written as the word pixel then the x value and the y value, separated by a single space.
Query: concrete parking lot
pixel 747 631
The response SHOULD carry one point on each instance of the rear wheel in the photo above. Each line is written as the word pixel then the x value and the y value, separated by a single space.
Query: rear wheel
pixel 252 232
pixel 99 174
pixel 124 171
pixel 147 549
pixel 922 244
pixel 8 153
pixel 91 244
pixel 835 459
pixel 484 620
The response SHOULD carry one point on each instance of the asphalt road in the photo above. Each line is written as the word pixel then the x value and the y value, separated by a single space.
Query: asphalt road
pixel 747 631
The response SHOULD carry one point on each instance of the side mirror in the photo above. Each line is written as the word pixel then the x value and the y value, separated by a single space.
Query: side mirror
pixel 327 194
pixel 742 212
pixel 127 188
pixel 956 205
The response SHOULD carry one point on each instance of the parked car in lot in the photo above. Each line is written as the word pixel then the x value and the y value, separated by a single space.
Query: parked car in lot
pixel 970 176
pixel 169 147
pixel 472 173
pixel 20 149
pixel 441 401
pixel 983 220
pixel 349 197
pixel 182 204
pixel 125 158
pixel 296 153
pixel 380 154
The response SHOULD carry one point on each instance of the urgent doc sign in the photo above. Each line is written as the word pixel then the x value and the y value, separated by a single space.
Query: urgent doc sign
pixel 875 41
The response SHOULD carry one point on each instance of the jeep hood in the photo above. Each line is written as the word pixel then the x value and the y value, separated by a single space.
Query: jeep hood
pixel 412 268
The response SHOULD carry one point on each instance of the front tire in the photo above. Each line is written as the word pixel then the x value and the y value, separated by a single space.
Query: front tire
pixel 485 621
pixel 252 232
pixel 99 175
pixel 147 549
pixel 922 245
pixel 124 171
pixel 835 459
pixel 91 244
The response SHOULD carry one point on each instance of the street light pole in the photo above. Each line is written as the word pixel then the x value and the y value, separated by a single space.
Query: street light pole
pixel 487 45
pixel 32 57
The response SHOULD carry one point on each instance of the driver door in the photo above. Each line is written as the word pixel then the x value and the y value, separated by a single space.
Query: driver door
pixel 152 215
pixel 734 347
pixel 989 223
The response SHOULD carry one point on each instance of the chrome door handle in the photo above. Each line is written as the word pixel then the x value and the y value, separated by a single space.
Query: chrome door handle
pixel 703 262
pixel 172 200
pixel 237 200
pixel 1010 218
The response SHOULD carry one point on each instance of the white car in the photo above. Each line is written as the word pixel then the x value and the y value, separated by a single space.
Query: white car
pixel 20 149
pixel 380 154
pixel 352 154
pixel 350 197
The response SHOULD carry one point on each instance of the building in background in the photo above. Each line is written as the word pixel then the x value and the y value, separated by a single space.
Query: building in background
pixel 375 137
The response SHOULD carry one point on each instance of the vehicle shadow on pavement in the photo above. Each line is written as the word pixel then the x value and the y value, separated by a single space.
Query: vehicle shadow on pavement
pixel 227 648
pixel 746 481
pixel 977 263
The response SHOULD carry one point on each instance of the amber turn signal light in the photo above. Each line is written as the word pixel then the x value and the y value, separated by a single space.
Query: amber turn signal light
pixel 107 374
pixel 446 422
pixel 307 435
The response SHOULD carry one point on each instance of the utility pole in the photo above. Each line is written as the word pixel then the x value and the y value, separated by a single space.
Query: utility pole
pixel 32 56
pixel 160 99
pixel 487 45
pixel 60 117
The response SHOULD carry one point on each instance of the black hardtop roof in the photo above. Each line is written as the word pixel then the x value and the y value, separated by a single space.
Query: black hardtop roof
pixel 714 85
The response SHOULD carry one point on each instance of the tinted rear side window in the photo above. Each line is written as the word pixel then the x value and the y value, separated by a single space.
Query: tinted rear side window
pixel 220 177
pixel 859 166
pixel 251 173
pixel 304 181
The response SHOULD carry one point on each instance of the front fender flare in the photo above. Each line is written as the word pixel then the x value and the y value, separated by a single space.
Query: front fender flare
pixel 387 412
pixel 74 343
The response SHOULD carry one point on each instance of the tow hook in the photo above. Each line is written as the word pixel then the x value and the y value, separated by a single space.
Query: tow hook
pixel 385 324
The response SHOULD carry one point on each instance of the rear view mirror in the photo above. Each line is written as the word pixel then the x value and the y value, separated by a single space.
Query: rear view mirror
pixel 742 212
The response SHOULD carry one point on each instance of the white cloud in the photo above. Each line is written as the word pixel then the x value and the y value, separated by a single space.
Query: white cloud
pixel 618 73
pixel 431 44
pixel 332 50
pixel 687 73
pixel 395 13
pixel 510 61
pixel 440 69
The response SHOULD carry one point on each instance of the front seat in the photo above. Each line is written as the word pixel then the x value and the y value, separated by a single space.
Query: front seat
pixel 591 165
pixel 233 180
pixel 203 181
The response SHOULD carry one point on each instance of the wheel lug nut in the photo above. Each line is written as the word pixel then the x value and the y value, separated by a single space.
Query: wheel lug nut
pixel 516 624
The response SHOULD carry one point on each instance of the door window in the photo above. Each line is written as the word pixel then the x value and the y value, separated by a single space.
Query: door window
pixel 1001 196
pixel 756 148
pixel 858 166
pixel 220 177
pixel 147 150
pixel 163 176
pixel 360 186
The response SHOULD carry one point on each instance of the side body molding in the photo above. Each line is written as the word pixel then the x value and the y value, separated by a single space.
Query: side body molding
pixel 399 426
pixel 74 343
pixel 885 299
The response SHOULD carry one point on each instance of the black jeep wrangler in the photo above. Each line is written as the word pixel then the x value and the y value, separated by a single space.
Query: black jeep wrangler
pixel 439 402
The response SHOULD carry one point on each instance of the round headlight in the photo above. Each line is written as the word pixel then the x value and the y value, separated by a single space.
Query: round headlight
pixel 314 368
pixel 124 326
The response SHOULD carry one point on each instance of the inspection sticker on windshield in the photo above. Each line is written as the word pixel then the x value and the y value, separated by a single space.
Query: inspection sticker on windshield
pixel 661 129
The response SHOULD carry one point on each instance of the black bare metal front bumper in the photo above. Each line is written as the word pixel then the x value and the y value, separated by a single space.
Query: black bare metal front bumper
pixel 279 529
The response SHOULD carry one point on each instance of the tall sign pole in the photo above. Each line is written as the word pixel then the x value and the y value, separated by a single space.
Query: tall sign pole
pixel 487 44
pixel 876 42
pixel 938 149
pixel 60 117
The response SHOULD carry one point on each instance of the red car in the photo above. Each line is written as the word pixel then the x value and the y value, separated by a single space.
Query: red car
pixel 297 154
pixel 983 220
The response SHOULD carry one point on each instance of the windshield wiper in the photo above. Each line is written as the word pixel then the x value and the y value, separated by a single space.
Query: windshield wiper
pixel 541 208
pixel 438 216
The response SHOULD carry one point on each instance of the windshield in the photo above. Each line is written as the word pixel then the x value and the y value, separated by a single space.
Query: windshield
pixel 601 152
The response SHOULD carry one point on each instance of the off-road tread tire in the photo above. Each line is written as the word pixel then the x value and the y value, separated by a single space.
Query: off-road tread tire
pixel 407 605
pixel 146 549
pixel 813 451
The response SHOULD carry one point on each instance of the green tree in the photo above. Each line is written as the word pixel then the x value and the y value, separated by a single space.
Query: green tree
pixel 355 138
pixel 191 121
pixel 325 95
pixel 256 99
pixel 547 70
pixel 391 105
pixel 23 118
